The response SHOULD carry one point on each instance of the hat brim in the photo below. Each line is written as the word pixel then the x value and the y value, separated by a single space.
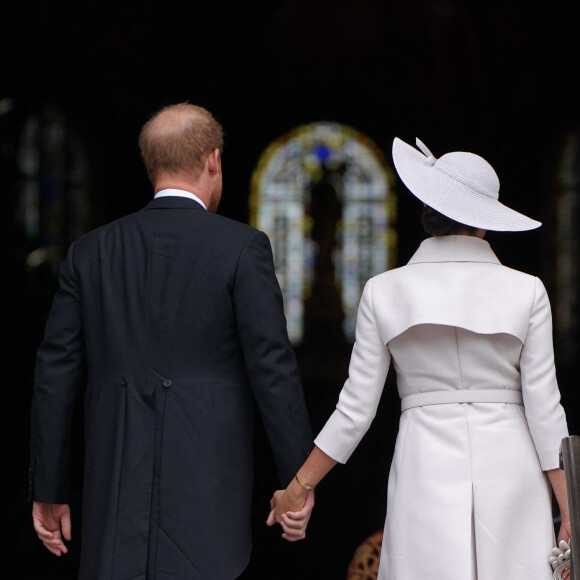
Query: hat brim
pixel 453 198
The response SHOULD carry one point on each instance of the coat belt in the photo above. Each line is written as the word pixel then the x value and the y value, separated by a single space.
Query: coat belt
pixel 462 396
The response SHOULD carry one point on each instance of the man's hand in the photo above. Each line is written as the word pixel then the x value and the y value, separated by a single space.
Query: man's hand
pixel 52 524
pixel 293 517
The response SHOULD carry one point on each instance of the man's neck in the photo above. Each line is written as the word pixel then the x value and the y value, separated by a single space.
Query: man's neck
pixel 172 182
pixel 172 192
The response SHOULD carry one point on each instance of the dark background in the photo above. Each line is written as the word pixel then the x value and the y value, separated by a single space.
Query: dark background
pixel 496 78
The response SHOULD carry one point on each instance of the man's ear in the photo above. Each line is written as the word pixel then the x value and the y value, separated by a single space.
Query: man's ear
pixel 213 162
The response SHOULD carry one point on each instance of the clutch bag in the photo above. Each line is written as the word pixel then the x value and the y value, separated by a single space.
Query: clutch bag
pixel 560 559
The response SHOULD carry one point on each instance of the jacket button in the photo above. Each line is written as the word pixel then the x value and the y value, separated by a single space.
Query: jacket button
pixel 166 383
pixel 124 381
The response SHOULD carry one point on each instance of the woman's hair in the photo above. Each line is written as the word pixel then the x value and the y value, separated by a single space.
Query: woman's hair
pixel 437 224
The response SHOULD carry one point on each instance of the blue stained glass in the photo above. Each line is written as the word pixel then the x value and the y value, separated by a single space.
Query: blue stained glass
pixel 322 152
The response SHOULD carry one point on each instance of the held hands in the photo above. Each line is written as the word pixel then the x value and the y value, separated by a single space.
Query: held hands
pixel 52 524
pixel 291 508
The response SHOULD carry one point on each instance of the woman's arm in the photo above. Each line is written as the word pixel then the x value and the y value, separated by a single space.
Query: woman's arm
pixel 544 413
pixel 355 410
pixel 558 482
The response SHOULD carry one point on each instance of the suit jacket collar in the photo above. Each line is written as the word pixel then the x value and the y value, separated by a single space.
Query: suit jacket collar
pixel 454 249
pixel 173 202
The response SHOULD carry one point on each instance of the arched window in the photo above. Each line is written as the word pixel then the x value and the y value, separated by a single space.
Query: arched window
pixel 566 235
pixel 54 204
pixel 323 195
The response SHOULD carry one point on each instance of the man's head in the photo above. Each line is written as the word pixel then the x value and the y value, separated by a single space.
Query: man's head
pixel 180 140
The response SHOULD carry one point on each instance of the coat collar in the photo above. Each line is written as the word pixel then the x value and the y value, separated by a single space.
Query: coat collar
pixel 454 249
pixel 173 202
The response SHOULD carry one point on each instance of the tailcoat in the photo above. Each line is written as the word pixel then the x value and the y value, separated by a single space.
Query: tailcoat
pixel 174 316
pixel 471 344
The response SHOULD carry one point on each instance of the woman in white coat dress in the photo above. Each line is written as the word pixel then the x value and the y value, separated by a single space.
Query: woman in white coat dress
pixel 481 424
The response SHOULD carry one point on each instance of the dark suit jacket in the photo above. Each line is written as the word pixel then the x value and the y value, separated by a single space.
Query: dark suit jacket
pixel 176 315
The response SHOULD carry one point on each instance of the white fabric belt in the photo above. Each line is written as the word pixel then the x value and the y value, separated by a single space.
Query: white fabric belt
pixel 462 396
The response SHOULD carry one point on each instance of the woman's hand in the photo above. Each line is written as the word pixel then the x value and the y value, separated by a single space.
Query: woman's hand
pixel 292 512
pixel 565 531
pixel 292 499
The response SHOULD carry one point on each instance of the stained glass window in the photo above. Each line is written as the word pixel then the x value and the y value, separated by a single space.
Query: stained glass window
pixel 54 206
pixel 323 194
pixel 567 246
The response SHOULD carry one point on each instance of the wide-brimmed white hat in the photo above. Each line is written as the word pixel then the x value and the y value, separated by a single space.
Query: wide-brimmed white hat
pixel 463 186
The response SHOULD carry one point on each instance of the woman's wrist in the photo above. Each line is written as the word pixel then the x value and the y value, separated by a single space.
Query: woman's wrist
pixel 296 491
pixel 303 484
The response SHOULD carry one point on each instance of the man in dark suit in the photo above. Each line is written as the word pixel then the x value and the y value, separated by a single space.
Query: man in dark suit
pixel 169 321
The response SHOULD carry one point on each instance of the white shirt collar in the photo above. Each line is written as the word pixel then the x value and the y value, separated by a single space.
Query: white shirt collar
pixel 180 193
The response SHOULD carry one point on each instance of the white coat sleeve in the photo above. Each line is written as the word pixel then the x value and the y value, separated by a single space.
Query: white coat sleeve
pixel 360 396
pixel 544 413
